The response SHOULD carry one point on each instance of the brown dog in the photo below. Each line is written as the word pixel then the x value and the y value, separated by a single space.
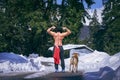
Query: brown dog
pixel 74 62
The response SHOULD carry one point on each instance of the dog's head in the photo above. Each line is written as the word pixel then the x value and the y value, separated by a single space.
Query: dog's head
pixel 75 55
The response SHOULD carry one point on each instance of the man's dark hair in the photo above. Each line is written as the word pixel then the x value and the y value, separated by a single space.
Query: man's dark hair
pixel 58 29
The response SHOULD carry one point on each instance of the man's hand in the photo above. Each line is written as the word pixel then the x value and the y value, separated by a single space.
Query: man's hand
pixel 67 31
pixel 53 27
pixel 49 30
pixel 64 28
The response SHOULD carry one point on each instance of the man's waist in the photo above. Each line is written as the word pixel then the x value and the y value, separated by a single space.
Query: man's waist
pixel 57 44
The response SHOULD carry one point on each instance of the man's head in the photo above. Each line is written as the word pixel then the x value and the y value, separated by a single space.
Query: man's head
pixel 58 29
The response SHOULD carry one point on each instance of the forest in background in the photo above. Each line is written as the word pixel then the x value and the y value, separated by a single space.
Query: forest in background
pixel 23 25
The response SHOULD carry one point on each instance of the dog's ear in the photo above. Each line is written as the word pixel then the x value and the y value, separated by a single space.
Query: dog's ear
pixel 76 53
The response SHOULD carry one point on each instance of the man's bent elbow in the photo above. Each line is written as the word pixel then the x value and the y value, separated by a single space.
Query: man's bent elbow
pixel 69 32
pixel 48 31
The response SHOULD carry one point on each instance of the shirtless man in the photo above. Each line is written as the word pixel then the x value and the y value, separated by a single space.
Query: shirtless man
pixel 58 36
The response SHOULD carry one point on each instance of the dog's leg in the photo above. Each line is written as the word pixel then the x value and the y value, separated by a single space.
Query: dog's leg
pixel 74 68
pixel 77 68
pixel 70 67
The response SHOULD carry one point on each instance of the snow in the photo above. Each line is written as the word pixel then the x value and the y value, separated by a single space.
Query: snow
pixel 87 63
pixel 71 46
pixel 91 12
pixel 18 63
pixel 5 56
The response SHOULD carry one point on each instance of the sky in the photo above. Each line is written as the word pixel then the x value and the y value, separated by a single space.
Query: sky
pixel 98 4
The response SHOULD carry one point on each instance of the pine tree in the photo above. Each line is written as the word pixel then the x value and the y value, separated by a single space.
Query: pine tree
pixel 24 23
pixel 111 25
pixel 94 28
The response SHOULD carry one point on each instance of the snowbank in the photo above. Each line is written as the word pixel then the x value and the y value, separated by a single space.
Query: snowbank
pixel 88 63
pixel 12 57
pixel 17 63
pixel 92 62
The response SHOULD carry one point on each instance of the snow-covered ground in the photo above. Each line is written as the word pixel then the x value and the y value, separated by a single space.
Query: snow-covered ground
pixel 87 63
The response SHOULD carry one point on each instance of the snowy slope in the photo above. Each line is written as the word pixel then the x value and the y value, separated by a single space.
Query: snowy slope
pixel 12 62
pixel 12 57
pixel 91 11
pixel 88 63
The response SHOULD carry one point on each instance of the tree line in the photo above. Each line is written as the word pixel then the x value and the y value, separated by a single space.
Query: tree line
pixel 23 25
pixel 106 37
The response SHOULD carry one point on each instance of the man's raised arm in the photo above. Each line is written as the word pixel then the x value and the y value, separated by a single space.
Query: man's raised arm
pixel 49 30
pixel 67 31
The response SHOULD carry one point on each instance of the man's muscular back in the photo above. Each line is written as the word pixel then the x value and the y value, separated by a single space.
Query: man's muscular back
pixel 58 37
